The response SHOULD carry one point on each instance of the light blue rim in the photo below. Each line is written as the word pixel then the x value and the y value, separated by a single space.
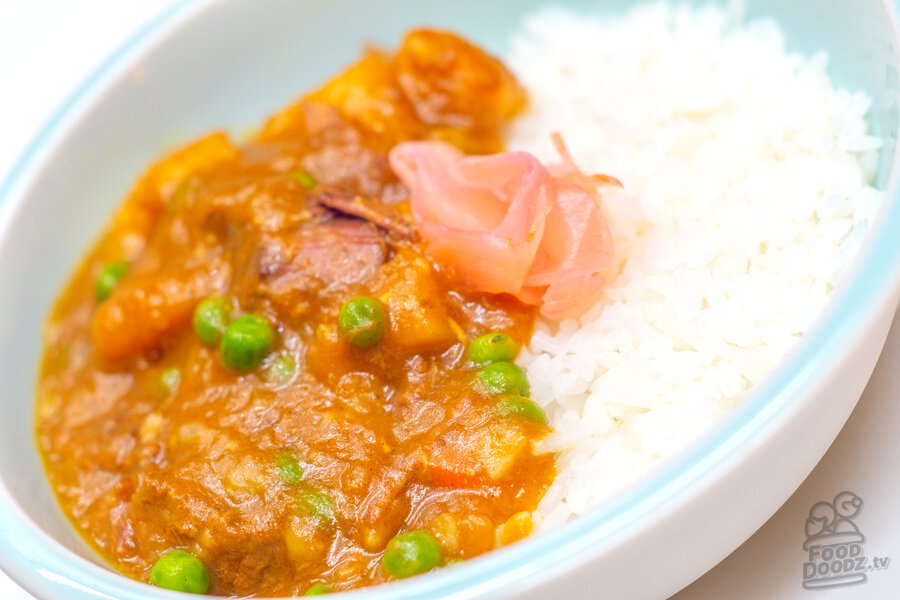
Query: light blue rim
pixel 25 549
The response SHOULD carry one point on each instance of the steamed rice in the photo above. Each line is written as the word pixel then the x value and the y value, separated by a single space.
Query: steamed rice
pixel 746 191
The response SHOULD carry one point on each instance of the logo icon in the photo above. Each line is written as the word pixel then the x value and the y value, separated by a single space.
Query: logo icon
pixel 834 544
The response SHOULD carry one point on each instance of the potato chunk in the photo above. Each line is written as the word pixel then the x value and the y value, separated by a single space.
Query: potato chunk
pixel 417 314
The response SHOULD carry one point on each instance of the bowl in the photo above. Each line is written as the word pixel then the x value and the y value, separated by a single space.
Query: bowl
pixel 202 65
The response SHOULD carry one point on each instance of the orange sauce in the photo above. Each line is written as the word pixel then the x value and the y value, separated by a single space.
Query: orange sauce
pixel 152 444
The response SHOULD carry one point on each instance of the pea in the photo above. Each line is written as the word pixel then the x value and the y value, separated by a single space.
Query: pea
pixel 361 321
pixel 318 505
pixel 180 571
pixel 504 377
pixel 411 553
pixel 318 590
pixel 514 405
pixel 211 319
pixel 305 179
pixel 110 276
pixel 492 347
pixel 246 342
pixel 289 469
pixel 169 380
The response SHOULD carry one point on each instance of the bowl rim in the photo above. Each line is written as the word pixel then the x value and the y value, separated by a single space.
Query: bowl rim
pixel 40 563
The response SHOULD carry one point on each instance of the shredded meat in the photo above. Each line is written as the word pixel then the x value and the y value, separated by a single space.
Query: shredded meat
pixel 380 214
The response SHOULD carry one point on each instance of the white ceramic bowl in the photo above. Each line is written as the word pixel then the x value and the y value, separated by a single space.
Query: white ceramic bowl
pixel 204 65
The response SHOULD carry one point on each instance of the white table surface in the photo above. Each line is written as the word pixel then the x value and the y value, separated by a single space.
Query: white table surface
pixel 48 46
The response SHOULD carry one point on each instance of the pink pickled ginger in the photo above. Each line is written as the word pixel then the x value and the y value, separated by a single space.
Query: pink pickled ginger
pixel 507 224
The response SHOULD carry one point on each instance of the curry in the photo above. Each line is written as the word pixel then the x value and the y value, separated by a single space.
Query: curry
pixel 259 382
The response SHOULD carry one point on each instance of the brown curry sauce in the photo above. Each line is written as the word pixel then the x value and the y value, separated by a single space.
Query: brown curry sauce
pixel 151 443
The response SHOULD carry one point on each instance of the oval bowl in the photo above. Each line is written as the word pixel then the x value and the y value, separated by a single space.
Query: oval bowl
pixel 204 64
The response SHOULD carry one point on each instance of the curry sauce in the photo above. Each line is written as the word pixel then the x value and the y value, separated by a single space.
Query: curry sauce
pixel 299 471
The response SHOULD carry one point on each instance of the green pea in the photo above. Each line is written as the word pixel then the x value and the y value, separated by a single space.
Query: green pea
pixel 503 378
pixel 319 589
pixel 411 553
pixel 246 342
pixel 305 179
pixel 110 276
pixel 361 321
pixel 289 469
pixel 281 369
pixel 514 405
pixel 211 319
pixel 180 571
pixel 492 347
pixel 169 380
pixel 318 505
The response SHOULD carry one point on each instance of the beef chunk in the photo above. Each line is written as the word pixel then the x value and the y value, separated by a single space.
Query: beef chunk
pixel 326 253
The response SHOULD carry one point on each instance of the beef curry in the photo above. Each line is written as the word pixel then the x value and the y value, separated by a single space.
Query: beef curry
pixel 258 381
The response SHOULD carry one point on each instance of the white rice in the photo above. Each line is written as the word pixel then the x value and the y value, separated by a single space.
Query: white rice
pixel 746 190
